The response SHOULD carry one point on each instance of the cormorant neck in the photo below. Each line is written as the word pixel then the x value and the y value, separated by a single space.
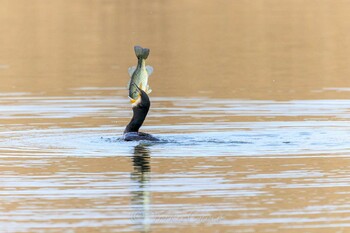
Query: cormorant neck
pixel 139 115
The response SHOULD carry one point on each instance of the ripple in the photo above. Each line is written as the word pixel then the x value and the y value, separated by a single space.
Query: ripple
pixel 202 138
pixel 241 164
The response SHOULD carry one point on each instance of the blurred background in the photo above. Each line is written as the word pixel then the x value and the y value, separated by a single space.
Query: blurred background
pixel 263 49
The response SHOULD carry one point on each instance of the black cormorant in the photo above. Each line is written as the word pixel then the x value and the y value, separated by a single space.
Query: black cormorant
pixel 140 109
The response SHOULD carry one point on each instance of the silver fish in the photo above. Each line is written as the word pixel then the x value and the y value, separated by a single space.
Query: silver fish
pixel 139 74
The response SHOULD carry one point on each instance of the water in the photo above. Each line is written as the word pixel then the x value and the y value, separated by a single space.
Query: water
pixel 207 173
pixel 250 103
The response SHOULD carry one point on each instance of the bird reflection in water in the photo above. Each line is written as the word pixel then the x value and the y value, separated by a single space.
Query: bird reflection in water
pixel 140 195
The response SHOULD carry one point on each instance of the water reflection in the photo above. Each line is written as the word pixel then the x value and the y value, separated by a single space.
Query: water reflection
pixel 140 195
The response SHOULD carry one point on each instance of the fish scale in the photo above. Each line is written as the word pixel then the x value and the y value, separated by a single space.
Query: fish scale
pixel 139 74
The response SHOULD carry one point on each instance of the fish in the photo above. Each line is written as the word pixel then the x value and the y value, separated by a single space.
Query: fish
pixel 139 74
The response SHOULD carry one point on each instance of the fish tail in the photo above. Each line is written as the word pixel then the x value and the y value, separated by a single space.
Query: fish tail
pixel 141 52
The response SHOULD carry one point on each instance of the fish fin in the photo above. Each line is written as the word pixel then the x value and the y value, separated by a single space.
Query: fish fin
pixel 128 86
pixel 131 70
pixel 149 70
pixel 148 89
pixel 141 52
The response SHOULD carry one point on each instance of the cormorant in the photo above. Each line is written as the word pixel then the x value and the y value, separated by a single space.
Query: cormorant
pixel 140 109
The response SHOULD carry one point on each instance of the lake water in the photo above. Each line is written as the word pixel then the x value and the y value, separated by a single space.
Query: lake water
pixel 250 102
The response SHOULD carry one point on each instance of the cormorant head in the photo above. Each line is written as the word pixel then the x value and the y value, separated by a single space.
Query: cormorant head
pixel 143 102
pixel 140 109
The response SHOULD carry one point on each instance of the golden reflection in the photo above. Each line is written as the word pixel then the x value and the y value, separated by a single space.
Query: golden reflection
pixel 140 195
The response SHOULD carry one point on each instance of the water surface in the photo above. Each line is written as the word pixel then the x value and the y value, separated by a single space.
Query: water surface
pixel 250 103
